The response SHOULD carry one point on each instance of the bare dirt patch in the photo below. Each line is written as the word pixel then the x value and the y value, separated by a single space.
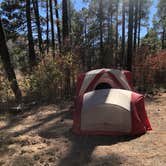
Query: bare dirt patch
pixel 43 136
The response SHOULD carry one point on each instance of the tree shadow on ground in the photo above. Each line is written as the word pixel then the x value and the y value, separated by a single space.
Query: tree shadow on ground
pixel 13 119
pixel 82 147
pixel 58 125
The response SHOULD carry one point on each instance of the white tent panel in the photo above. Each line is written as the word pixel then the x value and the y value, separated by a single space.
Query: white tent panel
pixel 102 111
pixel 121 78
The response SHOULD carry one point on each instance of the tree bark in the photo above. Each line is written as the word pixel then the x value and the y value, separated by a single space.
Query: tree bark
pixel 32 56
pixel 58 24
pixel 70 22
pixel 65 34
pixel 47 22
pixel 4 53
pixel 52 28
pixel 39 31
pixel 163 38
pixel 101 33
pixel 123 34
pixel 108 29
pixel 116 38
pixel 130 37
pixel 139 21
pixel 111 38
pixel 135 24
pixel 65 29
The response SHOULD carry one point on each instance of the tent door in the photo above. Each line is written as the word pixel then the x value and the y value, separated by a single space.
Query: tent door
pixel 103 85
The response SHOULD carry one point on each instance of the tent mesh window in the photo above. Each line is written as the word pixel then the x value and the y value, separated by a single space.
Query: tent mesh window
pixel 103 85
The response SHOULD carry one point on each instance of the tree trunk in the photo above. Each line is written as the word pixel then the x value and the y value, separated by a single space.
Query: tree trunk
pixel 4 53
pixel 101 33
pixel 65 26
pixel 69 21
pixel 47 22
pixel 86 43
pixel 52 28
pixel 135 24
pixel 130 37
pixel 116 38
pixel 58 25
pixel 111 39
pixel 32 56
pixel 65 33
pixel 163 38
pixel 123 35
pixel 39 31
pixel 108 29
pixel 139 21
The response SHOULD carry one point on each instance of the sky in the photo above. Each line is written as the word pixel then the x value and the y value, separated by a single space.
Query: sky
pixel 78 4
pixel 153 9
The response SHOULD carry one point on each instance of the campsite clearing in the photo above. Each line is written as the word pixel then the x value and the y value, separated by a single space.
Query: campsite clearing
pixel 43 136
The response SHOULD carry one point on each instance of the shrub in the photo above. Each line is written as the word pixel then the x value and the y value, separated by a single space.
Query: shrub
pixel 150 70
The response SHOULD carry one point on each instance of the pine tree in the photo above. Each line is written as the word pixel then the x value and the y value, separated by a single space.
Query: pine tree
pixel 161 13
pixel 39 31
pixel 130 36
pixel 4 54
pixel 58 24
pixel 65 25
pixel 32 56
pixel 135 23
pixel 52 28
pixel 123 34
pixel 47 25
pixel 116 37
pixel 101 15
pixel 13 18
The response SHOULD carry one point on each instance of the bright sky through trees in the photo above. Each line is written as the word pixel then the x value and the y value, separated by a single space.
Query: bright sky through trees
pixel 79 5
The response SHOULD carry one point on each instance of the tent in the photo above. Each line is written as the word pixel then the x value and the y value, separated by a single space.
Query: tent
pixel 106 104
pixel 111 111
pixel 97 79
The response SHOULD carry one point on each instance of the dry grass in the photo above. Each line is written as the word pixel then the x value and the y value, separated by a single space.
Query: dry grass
pixel 42 136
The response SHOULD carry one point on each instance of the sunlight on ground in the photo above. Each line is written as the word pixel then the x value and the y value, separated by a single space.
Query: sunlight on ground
pixel 43 136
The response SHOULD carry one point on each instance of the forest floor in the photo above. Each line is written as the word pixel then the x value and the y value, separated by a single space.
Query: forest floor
pixel 43 136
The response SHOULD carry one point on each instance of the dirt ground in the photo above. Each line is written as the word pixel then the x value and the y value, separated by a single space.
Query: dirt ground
pixel 43 136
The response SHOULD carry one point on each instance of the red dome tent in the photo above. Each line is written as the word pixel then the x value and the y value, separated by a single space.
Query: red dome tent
pixel 115 78
pixel 105 104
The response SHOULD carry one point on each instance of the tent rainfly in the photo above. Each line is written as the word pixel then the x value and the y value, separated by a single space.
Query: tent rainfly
pixel 106 104
pixel 104 78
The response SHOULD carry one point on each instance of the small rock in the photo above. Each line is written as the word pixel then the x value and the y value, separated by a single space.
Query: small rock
pixel 62 120
pixel 51 159
pixel 2 162
pixel 34 142
pixel 36 157
pixel 50 153
pixel 45 141
pixel 23 151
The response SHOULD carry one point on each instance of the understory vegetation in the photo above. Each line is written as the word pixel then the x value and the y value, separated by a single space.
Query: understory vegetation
pixel 46 44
